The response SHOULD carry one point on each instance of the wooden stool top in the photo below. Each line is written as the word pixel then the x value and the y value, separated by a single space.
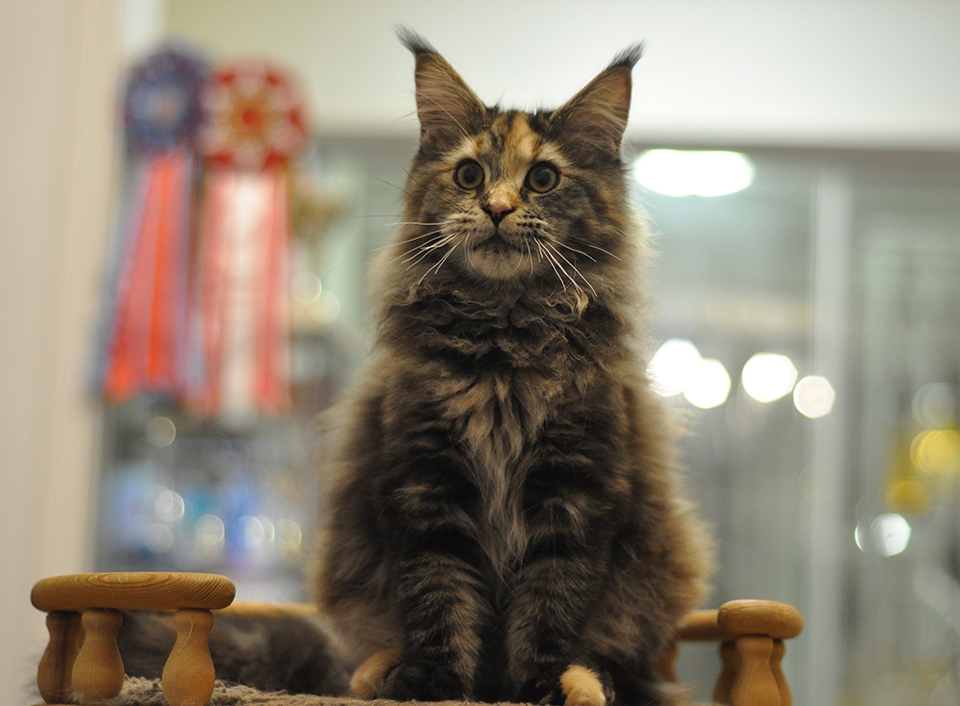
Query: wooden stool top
pixel 149 590
pixel 776 620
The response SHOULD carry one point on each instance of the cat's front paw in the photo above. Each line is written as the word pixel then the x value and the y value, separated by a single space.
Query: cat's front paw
pixel 574 686
pixel 422 681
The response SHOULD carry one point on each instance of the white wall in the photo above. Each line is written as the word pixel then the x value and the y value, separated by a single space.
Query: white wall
pixel 784 72
pixel 60 66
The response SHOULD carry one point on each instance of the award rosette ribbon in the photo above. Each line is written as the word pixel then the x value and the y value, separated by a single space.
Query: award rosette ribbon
pixel 141 342
pixel 255 123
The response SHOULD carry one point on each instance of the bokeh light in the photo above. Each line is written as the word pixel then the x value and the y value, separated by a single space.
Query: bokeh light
pixel 891 533
pixel 936 451
pixel 887 534
pixel 708 384
pixel 305 287
pixel 693 172
pixel 768 376
pixel 672 366
pixel 814 396
pixel 161 431
pixel 934 405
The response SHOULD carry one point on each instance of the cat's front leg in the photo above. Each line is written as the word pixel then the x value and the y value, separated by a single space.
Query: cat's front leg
pixel 567 506
pixel 439 589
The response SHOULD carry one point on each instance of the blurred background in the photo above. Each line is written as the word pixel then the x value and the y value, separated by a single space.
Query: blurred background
pixel 799 161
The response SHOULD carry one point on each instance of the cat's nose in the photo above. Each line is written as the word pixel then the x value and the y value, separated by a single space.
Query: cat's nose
pixel 498 210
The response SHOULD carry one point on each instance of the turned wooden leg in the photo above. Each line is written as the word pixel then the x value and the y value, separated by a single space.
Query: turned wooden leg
pixel 775 661
pixel 98 669
pixel 668 663
pixel 755 684
pixel 56 665
pixel 730 662
pixel 188 675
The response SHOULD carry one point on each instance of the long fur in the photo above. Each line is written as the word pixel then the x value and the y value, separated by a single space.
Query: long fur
pixel 505 508
pixel 505 521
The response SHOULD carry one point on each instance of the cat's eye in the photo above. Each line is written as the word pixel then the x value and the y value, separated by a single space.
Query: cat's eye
pixel 543 177
pixel 469 175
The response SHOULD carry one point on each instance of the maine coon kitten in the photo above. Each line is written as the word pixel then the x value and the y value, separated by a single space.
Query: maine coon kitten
pixel 506 523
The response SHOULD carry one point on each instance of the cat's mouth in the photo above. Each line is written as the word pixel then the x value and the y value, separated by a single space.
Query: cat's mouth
pixel 496 244
pixel 497 257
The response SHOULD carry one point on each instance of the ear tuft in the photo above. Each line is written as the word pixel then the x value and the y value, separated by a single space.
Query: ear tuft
pixel 447 108
pixel 414 42
pixel 597 116
pixel 629 57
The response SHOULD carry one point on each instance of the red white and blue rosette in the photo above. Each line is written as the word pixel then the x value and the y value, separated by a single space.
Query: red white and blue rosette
pixel 256 117
pixel 163 107
pixel 141 348
pixel 255 124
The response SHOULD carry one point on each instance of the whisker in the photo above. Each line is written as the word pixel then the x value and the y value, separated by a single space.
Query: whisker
pixel 552 254
pixel 587 244
pixel 403 242
pixel 552 264
pixel 436 267
pixel 412 223
pixel 409 240
pixel 579 252
pixel 419 254
pixel 388 183
pixel 575 269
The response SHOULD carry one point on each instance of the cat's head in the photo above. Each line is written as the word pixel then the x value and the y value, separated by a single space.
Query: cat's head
pixel 509 196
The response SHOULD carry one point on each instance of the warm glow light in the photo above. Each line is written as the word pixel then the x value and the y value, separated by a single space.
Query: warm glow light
pixel 697 173
pixel 767 376
pixel 814 396
pixel 672 366
pixel 707 385
pixel 936 451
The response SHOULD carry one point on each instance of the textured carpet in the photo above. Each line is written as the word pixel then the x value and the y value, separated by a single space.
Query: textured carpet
pixel 148 692
pixel 138 691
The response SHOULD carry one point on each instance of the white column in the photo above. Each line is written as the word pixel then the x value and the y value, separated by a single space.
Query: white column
pixel 827 530
pixel 57 137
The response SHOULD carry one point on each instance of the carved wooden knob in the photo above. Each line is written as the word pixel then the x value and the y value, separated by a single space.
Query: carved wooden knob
pixel 776 620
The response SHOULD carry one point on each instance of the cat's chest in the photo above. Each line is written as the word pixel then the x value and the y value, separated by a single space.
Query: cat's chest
pixel 497 413
pixel 496 417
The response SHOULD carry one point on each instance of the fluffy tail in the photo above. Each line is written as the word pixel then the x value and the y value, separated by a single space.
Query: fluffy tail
pixel 269 653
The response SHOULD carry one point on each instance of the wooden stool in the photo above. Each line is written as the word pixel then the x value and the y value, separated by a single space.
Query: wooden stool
pixel 82 659
pixel 751 635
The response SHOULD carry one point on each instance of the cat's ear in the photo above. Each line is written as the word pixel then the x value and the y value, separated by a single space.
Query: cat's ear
pixel 597 115
pixel 446 106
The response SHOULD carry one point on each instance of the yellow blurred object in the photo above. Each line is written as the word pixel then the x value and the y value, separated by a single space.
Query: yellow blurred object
pixel 908 496
pixel 936 451
pixel 905 491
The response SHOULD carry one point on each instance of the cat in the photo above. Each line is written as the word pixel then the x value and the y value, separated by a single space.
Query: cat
pixel 505 521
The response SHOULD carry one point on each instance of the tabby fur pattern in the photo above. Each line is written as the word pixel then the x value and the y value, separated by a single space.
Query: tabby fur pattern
pixel 506 522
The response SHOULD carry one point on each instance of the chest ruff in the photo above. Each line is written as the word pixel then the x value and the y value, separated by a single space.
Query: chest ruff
pixel 496 416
